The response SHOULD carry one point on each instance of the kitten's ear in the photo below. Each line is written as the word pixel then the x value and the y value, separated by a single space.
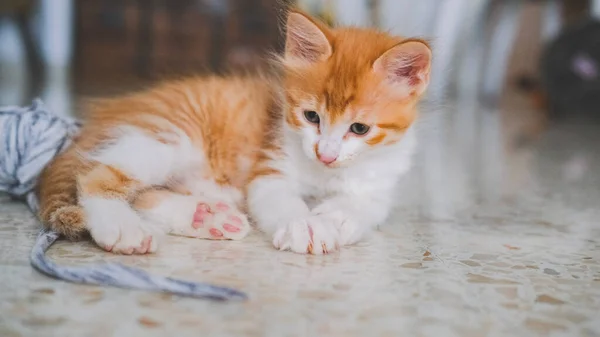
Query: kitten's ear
pixel 306 40
pixel 407 67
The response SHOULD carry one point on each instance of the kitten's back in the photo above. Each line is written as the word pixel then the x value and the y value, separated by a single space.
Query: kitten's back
pixel 226 118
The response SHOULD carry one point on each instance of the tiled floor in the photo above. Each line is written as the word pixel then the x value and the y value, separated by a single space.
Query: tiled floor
pixel 496 234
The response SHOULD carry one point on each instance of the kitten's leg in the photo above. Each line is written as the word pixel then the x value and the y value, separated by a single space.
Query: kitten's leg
pixel 104 193
pixel 280 211
pixel 131 163
pixel 197 215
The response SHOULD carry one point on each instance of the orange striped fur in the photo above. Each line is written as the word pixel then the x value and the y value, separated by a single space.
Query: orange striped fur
pixel 229 117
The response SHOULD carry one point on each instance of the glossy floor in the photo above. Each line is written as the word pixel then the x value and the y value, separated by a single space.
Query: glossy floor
pixel 496 234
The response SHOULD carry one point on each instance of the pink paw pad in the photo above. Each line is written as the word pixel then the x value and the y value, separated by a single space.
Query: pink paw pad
pixel 202 212
pixel 216 221
pixel 233 225
pixel 216 233
pixel 221 206
pixel 231 228
pixel 235 220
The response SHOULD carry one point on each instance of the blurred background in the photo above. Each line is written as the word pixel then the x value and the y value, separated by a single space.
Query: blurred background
pixel 61 50
pixel 507 73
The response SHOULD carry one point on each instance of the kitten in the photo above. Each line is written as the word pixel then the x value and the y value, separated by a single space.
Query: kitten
pixel 311 155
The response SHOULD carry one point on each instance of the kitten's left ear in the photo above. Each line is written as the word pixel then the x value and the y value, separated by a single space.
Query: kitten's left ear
pixel 306 40
pixel 407 67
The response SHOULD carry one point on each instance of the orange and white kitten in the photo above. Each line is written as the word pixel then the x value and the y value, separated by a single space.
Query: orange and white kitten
pixel 312 155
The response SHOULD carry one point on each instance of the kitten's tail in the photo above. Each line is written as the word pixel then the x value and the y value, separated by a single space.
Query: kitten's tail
pixel 57 194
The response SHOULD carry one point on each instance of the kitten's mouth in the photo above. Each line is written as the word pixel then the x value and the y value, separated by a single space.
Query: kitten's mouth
pixel 331 165
pixel 327 160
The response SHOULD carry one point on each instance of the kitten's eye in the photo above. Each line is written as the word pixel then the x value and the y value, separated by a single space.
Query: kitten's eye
pixel 359 129
pixel 312 117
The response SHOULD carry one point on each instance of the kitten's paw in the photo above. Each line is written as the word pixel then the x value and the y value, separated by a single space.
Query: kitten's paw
pixel 217 221
pixel 349 231
pixel 118 229
pixel 308 236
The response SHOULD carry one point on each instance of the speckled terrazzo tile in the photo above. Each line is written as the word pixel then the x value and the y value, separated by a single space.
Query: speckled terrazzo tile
pixel 486 241
pixel 18 229
pixel 394 281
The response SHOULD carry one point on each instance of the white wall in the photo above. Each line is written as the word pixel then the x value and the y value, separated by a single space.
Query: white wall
pixel 352 12
pixel 11 51
pixel 53 26
pixel 596 8
pixel 56 34
pixel 54 29
pixel 409 17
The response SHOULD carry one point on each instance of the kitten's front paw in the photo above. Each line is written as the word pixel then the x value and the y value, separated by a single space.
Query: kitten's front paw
pixel 307 236
pixel 349 231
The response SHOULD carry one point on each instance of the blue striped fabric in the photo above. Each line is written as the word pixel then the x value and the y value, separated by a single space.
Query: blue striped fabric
pixel 29 138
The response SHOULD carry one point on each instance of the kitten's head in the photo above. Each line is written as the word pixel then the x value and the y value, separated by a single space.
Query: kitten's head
pixel 350 90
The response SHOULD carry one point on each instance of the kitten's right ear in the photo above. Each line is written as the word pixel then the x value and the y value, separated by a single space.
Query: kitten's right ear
pixel 306 41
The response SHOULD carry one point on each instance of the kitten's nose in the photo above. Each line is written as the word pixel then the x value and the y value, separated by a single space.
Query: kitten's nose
pixel 326 159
